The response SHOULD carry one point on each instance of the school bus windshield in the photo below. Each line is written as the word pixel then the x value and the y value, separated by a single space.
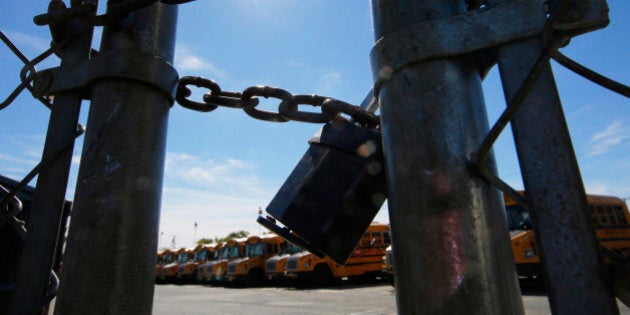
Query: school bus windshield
pixel 222 253
pixel 182 258
pixel 202 255
pixel 291 249
pixel 252 250
pixel 168 259
pixel 518 218
pixel 232 251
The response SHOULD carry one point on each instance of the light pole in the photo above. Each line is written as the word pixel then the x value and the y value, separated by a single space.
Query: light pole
pixel 259 213
pixel 195 235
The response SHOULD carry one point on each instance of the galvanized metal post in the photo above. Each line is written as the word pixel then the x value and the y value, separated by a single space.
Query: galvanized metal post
pixel 40 242
pixel 554 189
pixel 449 231
pixel 110 255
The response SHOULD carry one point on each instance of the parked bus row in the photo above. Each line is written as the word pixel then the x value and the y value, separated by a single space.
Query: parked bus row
pixel 269 258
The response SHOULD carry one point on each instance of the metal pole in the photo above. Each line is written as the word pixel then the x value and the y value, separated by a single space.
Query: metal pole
pixel 111 250
pixel 40 242
pixel 449 232
pixel 554 189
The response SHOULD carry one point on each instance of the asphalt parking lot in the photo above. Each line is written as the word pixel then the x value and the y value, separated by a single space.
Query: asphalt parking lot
pixel 376 298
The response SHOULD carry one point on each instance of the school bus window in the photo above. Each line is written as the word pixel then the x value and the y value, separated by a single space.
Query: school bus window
pixel 594 216
pixel 365 240
pixel 621 217
pixel 518 218
pixel 386 239
pixel 375 240
pixel 610 214
pixel 602 214
pixel 381 237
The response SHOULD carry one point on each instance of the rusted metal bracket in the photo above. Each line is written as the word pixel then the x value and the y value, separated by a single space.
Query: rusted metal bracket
pixel 478 29
pixel 125 64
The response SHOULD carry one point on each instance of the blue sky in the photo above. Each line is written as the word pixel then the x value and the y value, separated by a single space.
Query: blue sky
pixel 223 165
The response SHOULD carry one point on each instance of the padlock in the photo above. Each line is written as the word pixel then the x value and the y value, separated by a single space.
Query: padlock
pixel 333 194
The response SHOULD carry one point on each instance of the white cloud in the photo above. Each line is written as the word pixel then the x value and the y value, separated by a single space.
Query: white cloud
pixel 597 188
pixel 16 160
pixel 328 82
pixel 210 225
pixel 221 196
pixel 618 187
pixel 21 154
pixel 292 63
pixel 226 175
pixel 22 41
pixel 186 59
pixel 603 141
pixel 580 111
pixel 76 159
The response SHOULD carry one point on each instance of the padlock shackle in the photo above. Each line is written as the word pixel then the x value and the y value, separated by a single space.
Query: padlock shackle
pixel 370 103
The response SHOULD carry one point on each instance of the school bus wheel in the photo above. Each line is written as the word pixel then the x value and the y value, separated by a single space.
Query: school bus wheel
pixel 322 275
pixel 256 277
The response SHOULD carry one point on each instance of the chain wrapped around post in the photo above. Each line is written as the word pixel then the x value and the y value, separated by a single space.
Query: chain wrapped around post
pixel 288 108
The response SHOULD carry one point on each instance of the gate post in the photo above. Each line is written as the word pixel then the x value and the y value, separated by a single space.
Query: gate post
pixel 450 238
pixel 40 250
pixel 553 187
pixel 111 250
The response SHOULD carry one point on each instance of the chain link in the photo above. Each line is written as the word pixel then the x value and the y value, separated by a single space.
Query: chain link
pixel 288 108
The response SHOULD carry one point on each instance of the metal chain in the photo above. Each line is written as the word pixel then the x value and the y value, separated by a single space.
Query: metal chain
pixel 288 108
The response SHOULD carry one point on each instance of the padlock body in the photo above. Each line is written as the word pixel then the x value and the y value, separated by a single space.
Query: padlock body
pixel 335 191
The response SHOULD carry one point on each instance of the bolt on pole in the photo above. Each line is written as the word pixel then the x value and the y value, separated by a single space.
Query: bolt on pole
pixel 40 242
pixel 450 239
pixel 554 189
pixel 111 250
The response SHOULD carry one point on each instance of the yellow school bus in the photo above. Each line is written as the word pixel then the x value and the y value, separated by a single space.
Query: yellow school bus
pixel 188 270
pixel 275 265
pixel 250 268
pixel 609 216
pixel 365 261
pixel 204 271
pixel 165 258
pixel 169 271
pixel 216 270
pixel 388 265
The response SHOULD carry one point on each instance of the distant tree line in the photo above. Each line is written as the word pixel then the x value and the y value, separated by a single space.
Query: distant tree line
pixel 231 235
